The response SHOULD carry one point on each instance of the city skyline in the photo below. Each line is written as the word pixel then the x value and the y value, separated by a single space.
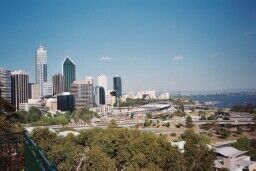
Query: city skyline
pixel 155 45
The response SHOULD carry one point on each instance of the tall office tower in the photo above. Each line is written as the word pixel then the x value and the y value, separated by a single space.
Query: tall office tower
pixel 19 82
pixel 30 90
pixel 89 79
pixel 99 95
pixel 41 67
pixel 47 89
pixel 5 84
pixel 117 86
pixel 69 73
pixel 35 91
pixel 83 93
pixel 103 82
pixel 58 84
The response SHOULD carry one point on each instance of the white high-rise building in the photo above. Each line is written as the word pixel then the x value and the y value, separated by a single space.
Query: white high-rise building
pixel 89 79
pixel 103 82
pixel 41 67
pixel 47 89
pixel 151 94
pixel 5 84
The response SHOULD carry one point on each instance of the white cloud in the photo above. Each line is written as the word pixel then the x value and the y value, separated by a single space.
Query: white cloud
pixel 177 58
pixel 105 58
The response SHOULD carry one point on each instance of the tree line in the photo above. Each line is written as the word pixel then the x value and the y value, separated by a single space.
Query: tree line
pixel 123 149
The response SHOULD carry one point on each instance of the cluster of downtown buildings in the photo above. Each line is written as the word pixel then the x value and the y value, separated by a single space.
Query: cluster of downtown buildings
pixel 63 93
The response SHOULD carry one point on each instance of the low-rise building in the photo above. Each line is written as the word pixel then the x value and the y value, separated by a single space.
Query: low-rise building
pixel 38 103
pixel 51 105
pixel 102 110
pixel 233 160
pixel 66 102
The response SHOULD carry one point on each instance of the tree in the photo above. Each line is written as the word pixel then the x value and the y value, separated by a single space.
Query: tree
pixel 147 123
pixel 149 115
pixel 112 124
pixel 212 117
pixel 23 115
pixel 242 143
pixel 82 114
pixel 198 157
pixel 179 114
pixel 34 114
pixel 168 124
pixel 224 132
pixel 96 160
pixel 203 117
pixel 189 122
pixel 123 149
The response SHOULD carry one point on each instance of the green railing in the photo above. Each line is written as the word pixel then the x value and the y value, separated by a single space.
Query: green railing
pixel 18 151
pixel 33 153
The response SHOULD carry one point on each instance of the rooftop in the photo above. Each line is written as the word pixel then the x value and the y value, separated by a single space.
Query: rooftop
pixel 229 151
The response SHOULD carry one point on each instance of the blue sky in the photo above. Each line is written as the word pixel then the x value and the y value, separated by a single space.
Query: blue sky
pixel 151 44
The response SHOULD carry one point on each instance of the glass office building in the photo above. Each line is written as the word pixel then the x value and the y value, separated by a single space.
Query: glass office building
pixel 117 86
pixel 69 73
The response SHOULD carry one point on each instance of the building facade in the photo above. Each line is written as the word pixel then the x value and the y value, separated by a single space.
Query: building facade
pixel 58 84
pixel 47 89
pixel 35 91
pixel 30 90
pixel 66 102
pixel 38 103
pixel 89 79
pixel 5 84
pixel 69 73
pixel 41 67
pixel 19 87
pixel 83 93
pixel 103 82
pixel 51 105
pixel 99 95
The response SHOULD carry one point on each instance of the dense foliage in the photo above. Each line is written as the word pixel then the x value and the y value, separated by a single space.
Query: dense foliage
pixel 123 149
pixel 83 114
pixel 245 144
pixel 136 102
pixel 36 118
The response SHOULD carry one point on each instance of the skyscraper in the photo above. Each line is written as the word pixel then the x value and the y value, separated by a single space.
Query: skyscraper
pixel 69 73
pixel 83 93
pixel 117 86
pixel 89 79
pixel 5 84
pixel 103 82
pixel 99 95
pixel 30 90
pixel 19 82
pixel 41 67
pixel 58 84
